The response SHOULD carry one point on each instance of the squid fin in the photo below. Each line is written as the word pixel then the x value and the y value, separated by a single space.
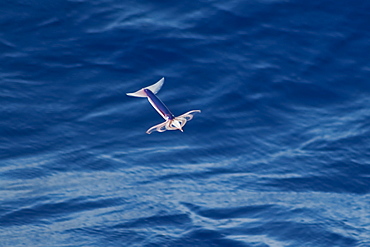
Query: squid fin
pixel 154 88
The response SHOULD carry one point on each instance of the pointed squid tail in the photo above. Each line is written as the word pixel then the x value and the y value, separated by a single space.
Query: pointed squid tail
pixel 173 124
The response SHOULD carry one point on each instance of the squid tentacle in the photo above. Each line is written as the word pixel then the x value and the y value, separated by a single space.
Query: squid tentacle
pixel 170 124
pixel 159 127
pixel 189 115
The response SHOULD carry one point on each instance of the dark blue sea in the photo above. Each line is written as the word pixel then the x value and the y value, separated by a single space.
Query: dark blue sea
pixel 278 157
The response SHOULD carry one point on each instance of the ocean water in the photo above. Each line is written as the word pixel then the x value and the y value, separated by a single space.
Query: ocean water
pixel 278 157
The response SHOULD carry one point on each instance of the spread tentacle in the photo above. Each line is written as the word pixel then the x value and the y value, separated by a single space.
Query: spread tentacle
pixel 173 124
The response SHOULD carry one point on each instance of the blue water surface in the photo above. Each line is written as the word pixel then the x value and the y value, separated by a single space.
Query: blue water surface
pixel 278 157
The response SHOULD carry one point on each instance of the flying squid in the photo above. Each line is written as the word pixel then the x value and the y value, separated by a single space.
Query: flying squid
pixel 172 122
